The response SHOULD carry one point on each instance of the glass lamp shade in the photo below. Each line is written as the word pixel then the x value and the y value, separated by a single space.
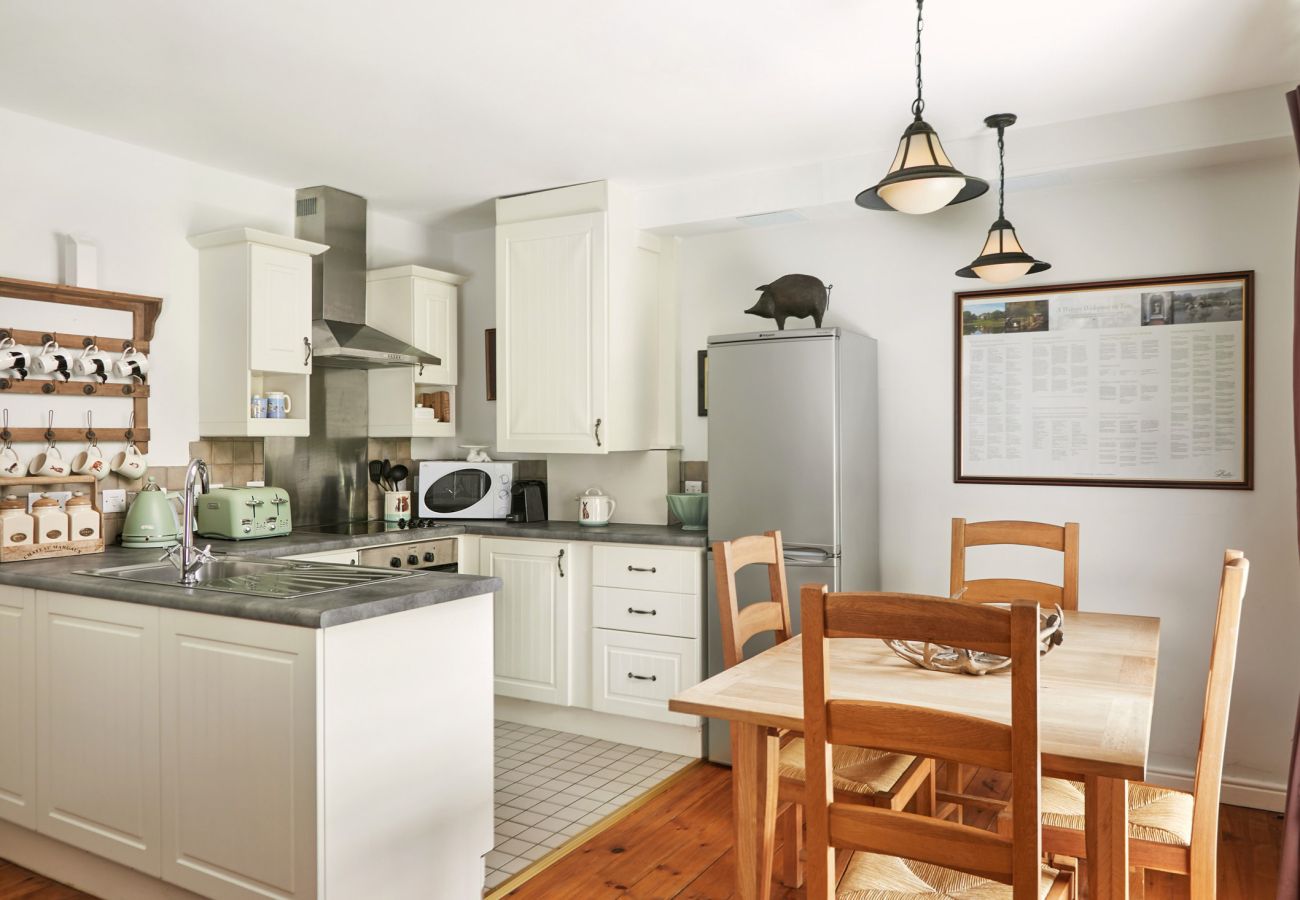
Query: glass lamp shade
pixel 921 178
pixel 1002 259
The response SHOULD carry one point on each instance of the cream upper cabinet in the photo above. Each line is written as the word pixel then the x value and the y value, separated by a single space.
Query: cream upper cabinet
pixel 18 705
pixel 254 337
pixel 97 731
pixel 532 620
pixel 279 309
pixel 581 347
pixel 419 306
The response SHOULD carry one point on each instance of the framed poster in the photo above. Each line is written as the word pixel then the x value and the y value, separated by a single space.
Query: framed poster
pixel 1140 383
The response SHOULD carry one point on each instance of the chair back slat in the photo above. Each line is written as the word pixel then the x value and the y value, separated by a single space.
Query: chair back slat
pixel 915 617
pixel 1207 784
pixel 937 841
pixel 831 823
pixel 921 732
pixel 739 624
pixel 1004 590
pixel 1061 538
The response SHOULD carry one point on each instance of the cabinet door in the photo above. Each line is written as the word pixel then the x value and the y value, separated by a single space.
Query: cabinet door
pixel 552 377
pixel 279 309
pixel 533 615
pixel 433 328
pixel 18 705
pixel 238 756
pixel 97 727
pixel 635 674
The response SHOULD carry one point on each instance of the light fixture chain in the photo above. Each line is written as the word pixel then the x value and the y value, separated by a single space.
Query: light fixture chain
pixel 918 105
pixel 1002 172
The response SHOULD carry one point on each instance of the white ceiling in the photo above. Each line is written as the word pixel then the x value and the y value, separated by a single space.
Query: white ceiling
pixel 430 107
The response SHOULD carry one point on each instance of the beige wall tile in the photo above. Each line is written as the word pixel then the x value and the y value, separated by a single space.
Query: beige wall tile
pixel 223 453
pixel 243 474
pixel 201 450
pixel 241 452
pixel 223 474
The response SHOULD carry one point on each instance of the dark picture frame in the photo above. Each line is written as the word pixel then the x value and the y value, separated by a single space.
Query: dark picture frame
pixel 702 383
pixel 490 361
pixel 1158 306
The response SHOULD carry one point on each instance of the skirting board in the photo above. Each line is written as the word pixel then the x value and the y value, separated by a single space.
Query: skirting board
pixel 1236 790
pixel 683 740
pixel 84 871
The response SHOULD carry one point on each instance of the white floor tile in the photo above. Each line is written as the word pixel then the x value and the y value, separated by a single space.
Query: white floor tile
pixel 510 829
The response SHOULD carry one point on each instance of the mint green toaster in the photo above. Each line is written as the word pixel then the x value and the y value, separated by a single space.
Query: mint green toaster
pixel 244 513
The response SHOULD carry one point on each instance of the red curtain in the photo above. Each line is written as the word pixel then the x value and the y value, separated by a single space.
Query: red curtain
pixel 1288 882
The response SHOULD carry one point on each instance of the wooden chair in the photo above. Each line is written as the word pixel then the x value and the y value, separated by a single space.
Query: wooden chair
pixel 908 855
pixel 1063 538
pixel 890 780
pixel 1171 831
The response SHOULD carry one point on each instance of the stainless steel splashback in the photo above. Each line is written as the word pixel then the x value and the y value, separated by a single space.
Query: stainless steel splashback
pixel 324 474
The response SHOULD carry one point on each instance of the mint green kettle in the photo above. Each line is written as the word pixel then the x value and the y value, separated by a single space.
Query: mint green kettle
pixel 152 521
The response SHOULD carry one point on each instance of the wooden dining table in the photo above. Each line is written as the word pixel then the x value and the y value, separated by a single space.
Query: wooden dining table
pixel 1097 690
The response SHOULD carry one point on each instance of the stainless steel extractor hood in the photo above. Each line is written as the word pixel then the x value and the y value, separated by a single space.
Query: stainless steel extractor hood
pixel 340 336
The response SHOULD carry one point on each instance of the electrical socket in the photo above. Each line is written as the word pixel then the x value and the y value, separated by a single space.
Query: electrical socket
pixel 695 487
pixel 113 500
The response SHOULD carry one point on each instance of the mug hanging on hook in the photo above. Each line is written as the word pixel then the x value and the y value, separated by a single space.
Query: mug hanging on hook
pixel 11 464
pixel 91 461
pixel 49 463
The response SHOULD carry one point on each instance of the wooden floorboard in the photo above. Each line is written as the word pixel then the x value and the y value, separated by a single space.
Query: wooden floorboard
pixel 678 847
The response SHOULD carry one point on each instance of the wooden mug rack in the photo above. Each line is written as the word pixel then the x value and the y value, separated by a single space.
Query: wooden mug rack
pixel 144 315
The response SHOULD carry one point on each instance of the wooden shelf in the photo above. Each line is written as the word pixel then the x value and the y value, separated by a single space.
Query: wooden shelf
pixel 45 480
pixel 74 388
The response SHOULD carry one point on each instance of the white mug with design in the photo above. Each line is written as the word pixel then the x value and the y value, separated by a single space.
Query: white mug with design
pixel 52 360
pixel 132 363
pixel 91 462
pixel 11 464
pixel 49 463
pixel 14 357
pixel 93 362
pixel 278 405
pixel 129 463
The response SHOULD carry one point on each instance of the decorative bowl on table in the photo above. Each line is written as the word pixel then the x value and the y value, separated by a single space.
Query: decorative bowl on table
pixel 691 509
pixel 942 658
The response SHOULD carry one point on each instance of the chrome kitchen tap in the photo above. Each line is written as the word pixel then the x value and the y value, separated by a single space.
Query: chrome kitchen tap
pixel 185 556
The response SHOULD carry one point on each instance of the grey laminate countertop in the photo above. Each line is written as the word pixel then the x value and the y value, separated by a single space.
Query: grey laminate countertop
pixel 332 607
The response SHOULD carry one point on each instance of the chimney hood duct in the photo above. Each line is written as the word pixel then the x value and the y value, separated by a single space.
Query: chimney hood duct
pixel 339 334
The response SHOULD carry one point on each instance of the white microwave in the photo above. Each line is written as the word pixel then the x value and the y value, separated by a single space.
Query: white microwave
pixel 456 489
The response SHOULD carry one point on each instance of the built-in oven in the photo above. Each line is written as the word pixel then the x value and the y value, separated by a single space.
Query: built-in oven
pixel 456 489
pixel 437 555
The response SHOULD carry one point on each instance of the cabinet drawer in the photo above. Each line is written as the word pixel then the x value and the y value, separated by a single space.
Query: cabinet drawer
pixel 635 674
pixel 647 569
pixel 649 612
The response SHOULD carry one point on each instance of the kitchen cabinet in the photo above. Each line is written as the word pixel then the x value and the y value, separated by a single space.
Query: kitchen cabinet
pixel 583 349
pixel 238 756
pixel 635 673
pixel 255 315
pixel 18 706
pixel 533 617
pixel 417 305
pixel 97 727
pixel 246 759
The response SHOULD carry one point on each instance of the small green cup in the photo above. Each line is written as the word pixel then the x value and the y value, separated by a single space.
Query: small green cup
pixel 692 509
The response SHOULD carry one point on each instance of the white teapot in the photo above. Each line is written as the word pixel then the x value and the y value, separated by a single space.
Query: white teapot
pixel 595 508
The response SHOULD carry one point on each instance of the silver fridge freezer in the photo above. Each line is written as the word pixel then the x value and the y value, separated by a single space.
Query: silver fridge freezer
pixel 792 448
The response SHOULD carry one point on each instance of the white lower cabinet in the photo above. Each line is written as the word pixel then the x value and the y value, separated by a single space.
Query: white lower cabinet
pixel 238 756
pixel 18 706
pixel 635 674
pixel 97 727
pixel 533 617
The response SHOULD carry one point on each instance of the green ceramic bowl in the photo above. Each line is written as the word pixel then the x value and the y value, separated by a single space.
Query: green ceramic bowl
pixel 692 509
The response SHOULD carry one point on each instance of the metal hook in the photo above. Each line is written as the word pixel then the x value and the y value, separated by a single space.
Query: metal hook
pixel 130 429
pixel 49 431
pixel 5 434
pixel 90 429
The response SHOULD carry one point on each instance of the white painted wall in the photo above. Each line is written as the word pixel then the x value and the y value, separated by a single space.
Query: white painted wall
pixel 1153 552
pixel 138 206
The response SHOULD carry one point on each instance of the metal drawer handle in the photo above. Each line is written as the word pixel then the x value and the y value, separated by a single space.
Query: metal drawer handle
pixel 651 570
pixel 642 677
pixel 306 346
pixel 597 430
pixel 643 612
pixel 559 563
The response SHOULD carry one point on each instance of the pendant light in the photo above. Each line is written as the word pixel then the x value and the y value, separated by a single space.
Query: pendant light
pixel 1002 259
pixel 921 178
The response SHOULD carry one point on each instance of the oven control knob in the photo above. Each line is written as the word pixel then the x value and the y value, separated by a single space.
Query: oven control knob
pixel 429 557
pixel 503 493
pixel 412 560
pixel 395 562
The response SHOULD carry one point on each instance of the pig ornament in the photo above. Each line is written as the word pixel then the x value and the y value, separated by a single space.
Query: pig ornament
pixel 793 297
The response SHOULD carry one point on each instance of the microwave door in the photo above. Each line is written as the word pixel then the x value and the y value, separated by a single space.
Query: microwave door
pixel 457 491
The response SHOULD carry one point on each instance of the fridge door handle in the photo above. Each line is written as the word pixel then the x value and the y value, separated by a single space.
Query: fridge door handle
pixel 808 556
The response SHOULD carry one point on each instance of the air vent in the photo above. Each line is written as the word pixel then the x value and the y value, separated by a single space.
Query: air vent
pixel 306 206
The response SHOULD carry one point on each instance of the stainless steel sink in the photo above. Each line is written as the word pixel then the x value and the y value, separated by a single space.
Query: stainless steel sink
pixel 277 578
